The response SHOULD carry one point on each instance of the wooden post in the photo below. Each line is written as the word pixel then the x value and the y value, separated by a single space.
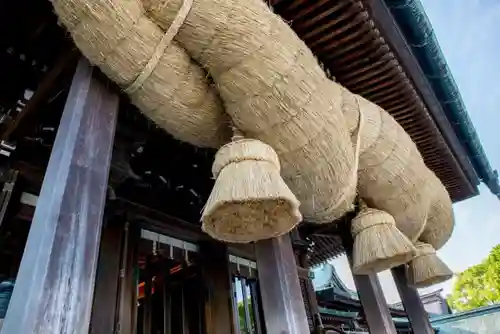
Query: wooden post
pixel 419 318
pixel 370 293
pixel 302 248
pixel 127 304
pixel 108 273
pixel 147 318
pixel 214 261
pixel 6 194
pixel 282 301
pixel 257 312
pixel 55 285
pixel 374 304
pixel 167 310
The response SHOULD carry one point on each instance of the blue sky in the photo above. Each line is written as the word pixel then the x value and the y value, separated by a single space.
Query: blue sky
pixel 469 34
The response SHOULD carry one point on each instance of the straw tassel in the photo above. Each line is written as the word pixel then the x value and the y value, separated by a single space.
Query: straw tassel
pixel 427 268
pixel 378 244
pixel 249 201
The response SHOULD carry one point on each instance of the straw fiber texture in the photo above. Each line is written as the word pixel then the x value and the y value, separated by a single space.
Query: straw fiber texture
pixel 427 268
pixel 250 201
pixel 378 244
pixel 275 91
pixel 117 37
pixel 391 172
pixel 440 221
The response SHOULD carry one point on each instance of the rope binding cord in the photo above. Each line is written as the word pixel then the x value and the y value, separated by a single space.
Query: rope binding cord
pixel 161 47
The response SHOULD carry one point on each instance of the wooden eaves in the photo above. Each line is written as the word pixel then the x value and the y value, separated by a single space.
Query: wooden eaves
pixel 361 46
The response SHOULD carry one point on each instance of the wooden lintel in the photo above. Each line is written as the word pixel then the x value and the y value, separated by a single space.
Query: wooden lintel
pixel 160 222
pixel 55 284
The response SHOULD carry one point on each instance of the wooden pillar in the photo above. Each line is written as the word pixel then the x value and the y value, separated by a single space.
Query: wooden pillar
pixel 104 310
pixel 370 293
pixel 167 309
pixel 282 302
pixel 257 306
pixel 374 304
pixel 127 304
pixel 302 249
pixel 418 316
pixel 55 285
pixel 214 261
pixel 147 319
pixel 6 194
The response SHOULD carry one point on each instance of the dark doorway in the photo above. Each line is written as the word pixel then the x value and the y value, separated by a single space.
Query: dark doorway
pixel 170 292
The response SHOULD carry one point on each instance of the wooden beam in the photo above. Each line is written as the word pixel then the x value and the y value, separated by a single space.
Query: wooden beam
pixel 160 222
pixel 282 301
pixel 55 285
pixel 419 318
pixel 214 260
pixel 67 58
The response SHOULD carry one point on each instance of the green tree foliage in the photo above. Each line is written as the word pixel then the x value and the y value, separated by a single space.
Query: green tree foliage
pixel 479 285
pixel 241 313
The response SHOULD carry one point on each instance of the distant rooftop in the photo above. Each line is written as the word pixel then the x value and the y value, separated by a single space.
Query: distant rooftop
pixel 484 320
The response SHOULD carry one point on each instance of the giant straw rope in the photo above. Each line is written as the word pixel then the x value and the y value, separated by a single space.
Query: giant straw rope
pixel 273 89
